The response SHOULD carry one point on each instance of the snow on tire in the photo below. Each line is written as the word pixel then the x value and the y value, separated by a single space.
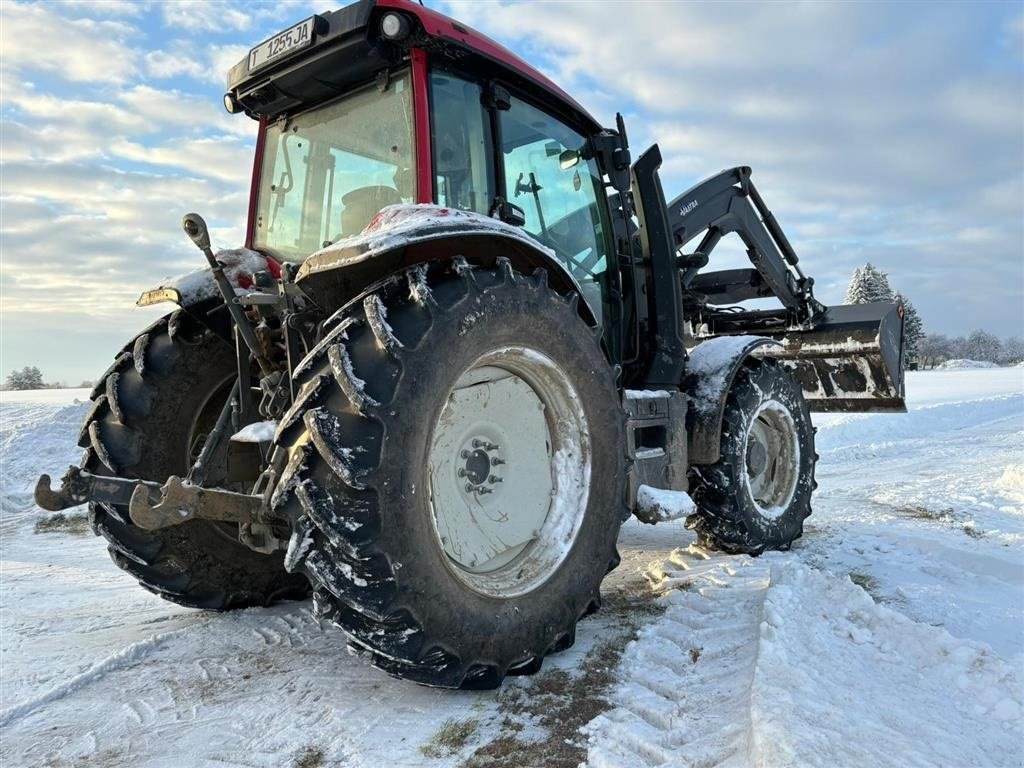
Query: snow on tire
pixel 758 494
pixel 165 387
pixel 391 441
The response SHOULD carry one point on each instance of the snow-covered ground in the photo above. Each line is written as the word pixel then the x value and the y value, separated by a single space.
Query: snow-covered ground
pixel 892 634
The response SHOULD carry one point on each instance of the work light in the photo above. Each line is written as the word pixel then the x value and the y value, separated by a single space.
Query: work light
pixel 394 26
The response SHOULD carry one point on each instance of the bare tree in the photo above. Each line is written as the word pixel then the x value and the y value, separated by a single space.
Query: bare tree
pixel 934 348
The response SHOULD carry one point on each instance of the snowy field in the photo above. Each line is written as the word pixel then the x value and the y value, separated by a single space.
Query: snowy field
pixel 891 635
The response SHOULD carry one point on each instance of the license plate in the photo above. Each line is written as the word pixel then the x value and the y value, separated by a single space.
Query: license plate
pixel 290 40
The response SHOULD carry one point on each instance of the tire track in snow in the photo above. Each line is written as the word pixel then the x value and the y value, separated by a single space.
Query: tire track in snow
pixel 686 683
pixel 123 658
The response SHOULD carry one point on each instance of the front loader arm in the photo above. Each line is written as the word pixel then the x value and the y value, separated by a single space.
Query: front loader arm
pixel 729 202
pixel 846 358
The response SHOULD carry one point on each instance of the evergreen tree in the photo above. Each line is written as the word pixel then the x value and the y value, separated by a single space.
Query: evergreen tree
pixel 913 329
pixel 28 377
pixel 868 285
pixel 855 290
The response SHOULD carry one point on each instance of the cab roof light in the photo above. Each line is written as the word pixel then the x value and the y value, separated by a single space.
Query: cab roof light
pixel 394 27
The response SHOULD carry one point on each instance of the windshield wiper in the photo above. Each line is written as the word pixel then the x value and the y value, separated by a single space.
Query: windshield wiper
pixel 280 191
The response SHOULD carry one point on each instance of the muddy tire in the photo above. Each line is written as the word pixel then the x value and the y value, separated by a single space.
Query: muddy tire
pixel 758 494
pixel 390 443
pixel 148 411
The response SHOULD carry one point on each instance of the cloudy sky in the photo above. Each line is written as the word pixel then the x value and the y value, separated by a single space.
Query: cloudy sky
pixel 877 131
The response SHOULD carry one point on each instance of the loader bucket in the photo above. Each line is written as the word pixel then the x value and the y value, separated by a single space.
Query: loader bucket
pixel 852 360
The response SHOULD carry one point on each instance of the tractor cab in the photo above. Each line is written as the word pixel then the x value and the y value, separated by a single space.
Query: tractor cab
pixel 385 103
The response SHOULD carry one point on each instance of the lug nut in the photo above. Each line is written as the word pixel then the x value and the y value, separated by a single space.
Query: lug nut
pixel 481 490
pixel 469 488
pixel 496 462
pixel 462 473
pixel 464 454
pixel 494 479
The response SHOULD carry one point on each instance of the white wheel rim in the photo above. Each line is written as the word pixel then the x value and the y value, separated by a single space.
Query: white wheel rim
pixel 510 463
pixel 771 455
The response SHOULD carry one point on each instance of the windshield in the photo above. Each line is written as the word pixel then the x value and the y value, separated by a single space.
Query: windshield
pixel 327 172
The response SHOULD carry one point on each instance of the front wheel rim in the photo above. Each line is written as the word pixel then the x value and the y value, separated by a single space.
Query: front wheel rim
pixel 771 459
pixel 509 469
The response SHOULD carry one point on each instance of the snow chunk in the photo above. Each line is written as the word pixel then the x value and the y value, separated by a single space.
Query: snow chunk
pixel 1011 482
pixel 958 364
pixel 645 394
pixel 260 432
pixel 657 505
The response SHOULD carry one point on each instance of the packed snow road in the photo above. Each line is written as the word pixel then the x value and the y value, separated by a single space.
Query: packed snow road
pixel 892 633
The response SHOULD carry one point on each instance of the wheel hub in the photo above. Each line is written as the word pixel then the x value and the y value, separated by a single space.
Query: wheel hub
pixel 482 462
pixel 508 480
pixel 772 458
pixel 757 457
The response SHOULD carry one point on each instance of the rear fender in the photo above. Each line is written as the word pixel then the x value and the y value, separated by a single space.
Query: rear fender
pixel 196 292
pixel 710 372
pixel 401 236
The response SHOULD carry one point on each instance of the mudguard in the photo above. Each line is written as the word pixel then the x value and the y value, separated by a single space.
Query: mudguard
pixel 404 235
pixel 710 371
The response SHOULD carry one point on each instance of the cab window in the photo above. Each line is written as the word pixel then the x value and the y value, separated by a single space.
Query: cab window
pixel 463 150
pixel 561 194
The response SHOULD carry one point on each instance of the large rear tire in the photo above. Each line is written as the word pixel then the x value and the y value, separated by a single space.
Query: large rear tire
pixel 149 413
pixel 758 494
pixel 456 477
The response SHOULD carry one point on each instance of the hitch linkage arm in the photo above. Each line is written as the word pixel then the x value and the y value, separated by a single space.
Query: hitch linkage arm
pixel 151 505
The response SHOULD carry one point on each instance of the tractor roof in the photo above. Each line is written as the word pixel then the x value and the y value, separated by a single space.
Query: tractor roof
pixel 347 49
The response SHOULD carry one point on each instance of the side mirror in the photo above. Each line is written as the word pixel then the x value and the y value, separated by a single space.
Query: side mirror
pixel 569 158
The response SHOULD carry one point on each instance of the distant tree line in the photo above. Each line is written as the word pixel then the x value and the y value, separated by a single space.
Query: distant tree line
pixel 31 377
pixel 937 348
pixel 927 350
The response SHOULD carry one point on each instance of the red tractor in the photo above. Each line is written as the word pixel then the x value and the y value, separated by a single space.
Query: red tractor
pixel 467 337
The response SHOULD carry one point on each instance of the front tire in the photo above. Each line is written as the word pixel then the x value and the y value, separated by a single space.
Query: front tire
pixel 413 492
pixel 758 494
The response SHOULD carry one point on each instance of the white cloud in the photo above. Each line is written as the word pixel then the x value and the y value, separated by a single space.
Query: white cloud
pixel 180 60
pixel 180 57
pixel 222 59
pixel 39 38
pixel 133 8
pixel 201 16
pixel 224 158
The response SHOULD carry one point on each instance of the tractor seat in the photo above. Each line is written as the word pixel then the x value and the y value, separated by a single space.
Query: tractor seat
pixel 362 204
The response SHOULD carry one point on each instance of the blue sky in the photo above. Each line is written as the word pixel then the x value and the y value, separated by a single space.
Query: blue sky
pixel 877 131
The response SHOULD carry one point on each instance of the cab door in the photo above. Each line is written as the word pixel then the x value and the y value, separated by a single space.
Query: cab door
pixel 519 153
pixel 547 174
